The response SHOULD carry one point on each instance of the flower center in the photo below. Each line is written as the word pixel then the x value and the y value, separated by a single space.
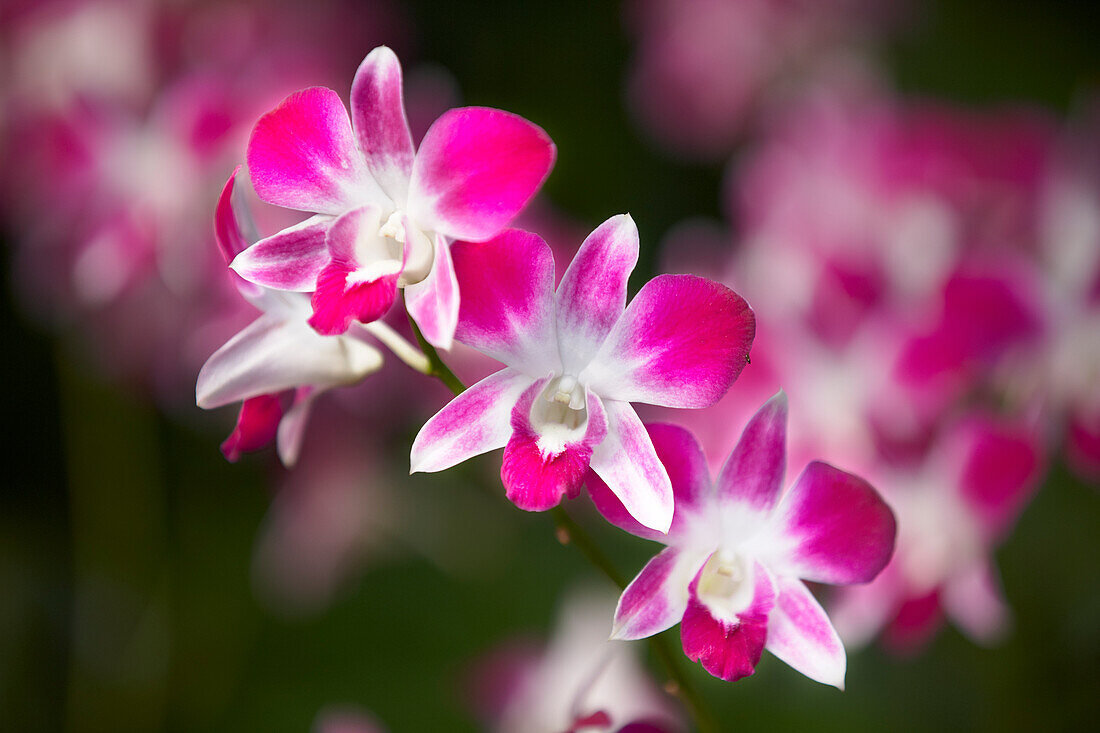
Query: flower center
pixel 560 414
pixel 726 585
pixel 419 244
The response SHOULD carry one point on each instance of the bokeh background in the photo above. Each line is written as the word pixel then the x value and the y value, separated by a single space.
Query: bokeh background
pixel 148 584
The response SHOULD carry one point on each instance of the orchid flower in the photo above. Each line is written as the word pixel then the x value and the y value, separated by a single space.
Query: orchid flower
pixel 579 682
pixel 738 553
pixel 954 510
pixel 277 358
pixel 384 211
pixel 576 359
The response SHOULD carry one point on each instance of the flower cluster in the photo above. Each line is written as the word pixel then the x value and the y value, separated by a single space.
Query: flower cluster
pixel 937 271
pixel 431 219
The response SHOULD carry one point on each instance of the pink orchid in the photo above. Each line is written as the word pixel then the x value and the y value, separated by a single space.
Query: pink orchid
pixel 384 211
pixel 953 511
pixel 576 359
pixel 738 553
pixel 277 359
pixel 580 682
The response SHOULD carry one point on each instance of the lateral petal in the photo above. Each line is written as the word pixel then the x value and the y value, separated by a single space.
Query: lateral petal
pixel 681 342
pixel 507 309
pixel 831 527
pixel 475 422
pixel 657 598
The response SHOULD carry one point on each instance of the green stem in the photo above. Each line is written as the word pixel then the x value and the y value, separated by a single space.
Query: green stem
pixel 569 532
pixel 438 369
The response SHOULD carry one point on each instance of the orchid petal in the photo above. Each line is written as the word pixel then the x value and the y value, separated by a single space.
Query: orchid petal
pixel 475 170
pixel 592 293
pixel 507 309
pixel 800 634
pixel 831 527
pixel 272 354
pixel 289 260
pixel 435 301
pixel 230 238
pixel 475 422
pixel 227 231
pixel 302 155
pixel 681 342
pixel 627 462
pixel 1001 471
pixel 974 600
pixel 657 598
pixel 727 650
pixel 378 117
pixel 292 428
pixel 753 475
pixel 683 459
pixel 256 425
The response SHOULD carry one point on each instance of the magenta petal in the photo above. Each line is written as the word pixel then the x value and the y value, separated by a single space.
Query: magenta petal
pixel 592 293
pixel 227 231
pixel 753 474
pixel 302 155
pixel 835 528
pixel 683 459
pixel 682 342
pixel 657 598
pixel 256 426
pixel 800 634
pixel 434 303
pixel 536 478
pixel 728 651
pixel 289 260
pixel 627 462
pixel 336 303
pixel 378 117
pixel 507 299
pixel 1002 470
pixel 475 170
pixel 975 602
pixel 475 422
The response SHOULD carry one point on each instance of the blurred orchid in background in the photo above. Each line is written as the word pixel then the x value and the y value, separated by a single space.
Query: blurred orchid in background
pixel 579 681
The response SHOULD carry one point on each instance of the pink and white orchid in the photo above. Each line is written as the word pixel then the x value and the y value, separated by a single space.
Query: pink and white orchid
pixel 384 211
pixel 276 360
pixel 738 552
pixel 576 359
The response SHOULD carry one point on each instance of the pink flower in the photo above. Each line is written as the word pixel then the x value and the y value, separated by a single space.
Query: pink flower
pixel 576 358
pixel 579 683
pixel 953 511
pixel 277 359
pixel 738 553
pixel 384 211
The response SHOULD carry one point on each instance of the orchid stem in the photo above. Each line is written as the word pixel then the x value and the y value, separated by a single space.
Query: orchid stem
pixel 402 349
pixel 678 682
pixel 569 532
pixel 437 368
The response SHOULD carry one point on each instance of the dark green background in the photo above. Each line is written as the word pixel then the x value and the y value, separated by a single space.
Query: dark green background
pixel 142 516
